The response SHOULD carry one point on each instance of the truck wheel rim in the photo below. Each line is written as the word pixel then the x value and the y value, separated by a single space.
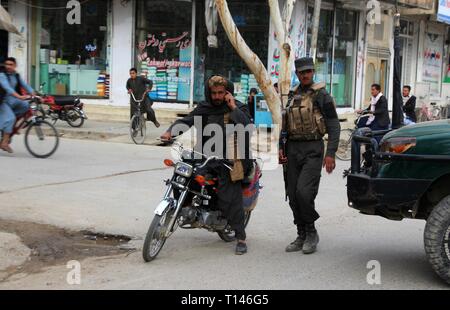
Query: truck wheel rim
pixel 446 242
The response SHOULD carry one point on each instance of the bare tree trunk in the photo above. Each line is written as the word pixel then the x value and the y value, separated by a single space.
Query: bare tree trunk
pixel 281 25
pixel 251 59
pixel 315 29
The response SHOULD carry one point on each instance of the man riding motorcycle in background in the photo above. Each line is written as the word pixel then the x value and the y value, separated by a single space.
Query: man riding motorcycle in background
pixel 221 108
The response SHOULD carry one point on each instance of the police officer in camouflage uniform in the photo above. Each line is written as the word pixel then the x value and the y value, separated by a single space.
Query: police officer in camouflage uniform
pixel 310 114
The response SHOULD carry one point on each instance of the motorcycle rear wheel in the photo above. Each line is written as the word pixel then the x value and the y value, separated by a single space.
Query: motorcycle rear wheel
pixel 75 119
pixel 228 235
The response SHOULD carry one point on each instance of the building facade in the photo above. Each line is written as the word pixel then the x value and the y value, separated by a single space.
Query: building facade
pixel 167 41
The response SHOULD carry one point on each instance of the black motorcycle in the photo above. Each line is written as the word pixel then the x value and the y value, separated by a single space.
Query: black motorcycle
pixel 190 201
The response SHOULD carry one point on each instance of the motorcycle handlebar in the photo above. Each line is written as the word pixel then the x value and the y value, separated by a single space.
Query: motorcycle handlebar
pixel 209 159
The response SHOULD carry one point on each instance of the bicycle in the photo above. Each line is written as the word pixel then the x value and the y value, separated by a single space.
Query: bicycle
pixel 429 111
pixel 138 124
pixel 41 137
pixel 344 151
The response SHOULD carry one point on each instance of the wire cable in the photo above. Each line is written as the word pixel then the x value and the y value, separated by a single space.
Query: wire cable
pixel 46 7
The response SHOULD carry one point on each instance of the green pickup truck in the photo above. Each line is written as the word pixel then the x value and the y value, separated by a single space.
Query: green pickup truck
pixel 406 175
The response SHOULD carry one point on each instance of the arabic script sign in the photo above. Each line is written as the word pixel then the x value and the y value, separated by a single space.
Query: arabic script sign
pixel 183 41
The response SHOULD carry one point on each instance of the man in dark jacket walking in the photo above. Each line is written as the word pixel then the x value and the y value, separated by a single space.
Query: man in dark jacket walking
pixel 221 109
pixel 409 106
pixel 139 86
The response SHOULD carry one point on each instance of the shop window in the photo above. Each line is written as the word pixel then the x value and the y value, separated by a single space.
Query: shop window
pixel 71 59
pixel 336 67
pixel 252 19
pixel 164 47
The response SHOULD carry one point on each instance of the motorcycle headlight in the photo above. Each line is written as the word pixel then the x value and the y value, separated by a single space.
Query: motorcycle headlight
pixel 184 170
pixel 398 145
pixel 180 180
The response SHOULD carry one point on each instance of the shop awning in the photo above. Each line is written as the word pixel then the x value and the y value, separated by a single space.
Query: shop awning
pixel 6 22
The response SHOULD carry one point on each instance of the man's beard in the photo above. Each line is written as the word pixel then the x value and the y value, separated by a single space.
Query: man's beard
pixel 217 102
pixel 306 82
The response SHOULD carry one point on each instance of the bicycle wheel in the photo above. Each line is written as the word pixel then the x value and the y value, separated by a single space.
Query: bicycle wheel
pixel 41 139
pixel 138 129
pixel 344 151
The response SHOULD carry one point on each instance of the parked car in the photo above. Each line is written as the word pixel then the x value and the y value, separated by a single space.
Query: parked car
pixel 407 175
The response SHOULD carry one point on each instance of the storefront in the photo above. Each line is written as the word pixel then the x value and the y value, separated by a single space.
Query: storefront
pixel 167 42
pixel 164 47
pixel 171 38
pixel 71 59
pixel 336 50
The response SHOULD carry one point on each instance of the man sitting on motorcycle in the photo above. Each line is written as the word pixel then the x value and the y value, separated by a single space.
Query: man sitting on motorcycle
pixel 13 104
pixel 221 108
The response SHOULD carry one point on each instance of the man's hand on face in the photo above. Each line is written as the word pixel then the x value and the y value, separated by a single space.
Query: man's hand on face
pixel 330 164
pixel 282 157
pixel 231 102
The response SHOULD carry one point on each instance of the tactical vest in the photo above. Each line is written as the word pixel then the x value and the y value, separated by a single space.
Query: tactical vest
pixel 304 118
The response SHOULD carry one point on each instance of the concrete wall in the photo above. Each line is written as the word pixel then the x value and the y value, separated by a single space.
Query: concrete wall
pixel 18 45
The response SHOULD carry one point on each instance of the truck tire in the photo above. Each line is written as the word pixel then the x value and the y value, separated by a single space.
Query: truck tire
pixel 437 239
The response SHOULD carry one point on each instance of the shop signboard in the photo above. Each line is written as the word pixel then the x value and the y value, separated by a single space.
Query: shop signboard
pixel 297 32
pixel 166 60
pixel 444 11
pixel 432 62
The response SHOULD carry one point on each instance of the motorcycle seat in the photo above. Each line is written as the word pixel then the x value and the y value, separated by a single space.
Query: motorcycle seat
pixel 66 100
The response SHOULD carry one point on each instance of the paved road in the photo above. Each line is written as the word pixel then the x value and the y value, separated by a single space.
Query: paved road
pixel 114 188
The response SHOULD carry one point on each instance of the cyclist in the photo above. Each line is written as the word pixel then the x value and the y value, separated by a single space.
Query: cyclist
pixel 13 103
pixel 139 86
pixel 378 113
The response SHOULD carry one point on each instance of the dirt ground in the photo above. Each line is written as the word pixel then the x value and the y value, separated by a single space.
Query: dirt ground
pixel 51 246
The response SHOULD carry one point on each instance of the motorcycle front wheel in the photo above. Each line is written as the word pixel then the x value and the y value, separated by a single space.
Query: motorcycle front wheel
pixel 155 239
pixel 228 235
pixel 75 119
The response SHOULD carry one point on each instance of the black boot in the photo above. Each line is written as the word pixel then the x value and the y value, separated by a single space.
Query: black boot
pixel 312 239
pixel 297 245
pixel 241 248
